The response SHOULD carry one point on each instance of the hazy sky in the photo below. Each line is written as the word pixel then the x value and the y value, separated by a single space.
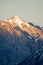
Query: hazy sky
pixel 29 10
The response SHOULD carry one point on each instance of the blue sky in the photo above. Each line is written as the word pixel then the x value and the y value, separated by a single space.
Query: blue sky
pixel 29 10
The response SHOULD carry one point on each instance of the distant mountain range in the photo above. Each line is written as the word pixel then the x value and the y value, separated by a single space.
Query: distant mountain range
pixel 21 43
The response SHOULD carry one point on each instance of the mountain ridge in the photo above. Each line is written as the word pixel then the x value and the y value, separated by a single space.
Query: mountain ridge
pixel 17 21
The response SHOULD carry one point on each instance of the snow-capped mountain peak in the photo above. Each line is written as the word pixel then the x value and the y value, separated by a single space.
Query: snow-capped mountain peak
pixel 24 26
pixel 20 43
pixel 16 19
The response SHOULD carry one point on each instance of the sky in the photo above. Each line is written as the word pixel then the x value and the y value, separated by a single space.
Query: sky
pixel 28 10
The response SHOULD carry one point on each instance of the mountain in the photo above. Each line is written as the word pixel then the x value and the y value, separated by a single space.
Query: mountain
pixel 41 28
pixel 20 43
